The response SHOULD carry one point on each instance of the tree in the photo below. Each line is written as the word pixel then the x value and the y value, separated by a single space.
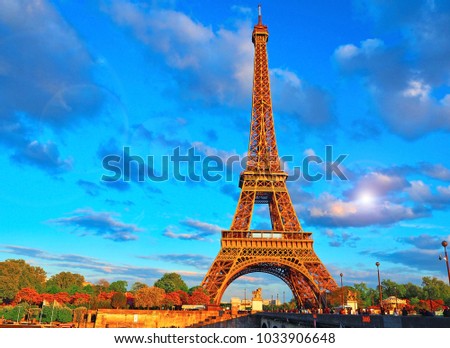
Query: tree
pixel 102 285
pixel 435 289
pixel 118 286
pixel 412 291
pixel 191 290
pixel 364 294
pixel 79 299
pixel 14 313
pixel 28 295
pixel 62 297
pixel 16 275
pixel 119 300
pixel 78 314
pixel 171 282
pixel 66 280
pixel 165 284
pixel 63 315
pixel 73 289
pixel 48 298
pixel 137 286
pixel 149 297
pixel 391 288
pixel 88 289
pixel 103 299
pixel 184 297
pixel 172 299
pixel 199 297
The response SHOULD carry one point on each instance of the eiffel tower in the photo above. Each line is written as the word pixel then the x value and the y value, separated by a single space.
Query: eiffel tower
pixel 285 251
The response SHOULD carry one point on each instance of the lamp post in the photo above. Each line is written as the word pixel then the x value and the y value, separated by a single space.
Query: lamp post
pixel 396 299
pixel 18 313
pixel 444 244
pixel 51 317
pixel 379 287
pixel 245 298
pixel 342 292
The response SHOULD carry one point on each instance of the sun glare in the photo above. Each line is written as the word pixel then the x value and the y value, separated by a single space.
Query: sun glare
pixel 366 198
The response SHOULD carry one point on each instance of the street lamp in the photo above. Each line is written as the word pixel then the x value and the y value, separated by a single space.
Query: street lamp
pixel 18 313
pixel 445 258
pixel 342 292
pixel 379 287
pixel 396 298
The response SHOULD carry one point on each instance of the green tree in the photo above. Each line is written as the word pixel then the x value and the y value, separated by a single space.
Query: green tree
pixel 16 275
pixel 391 288
pixel 88 289
pixel 364 294
pixel 72 290
pixel 171 282
pixel 16 313
pixel 412 291
pixel 167 285
pixel 191 290
pixel 137 286
pixel 435 289
pixel 63 315
pixel 119 300
pixel 66 281
pixel 101 286
pixel 118 286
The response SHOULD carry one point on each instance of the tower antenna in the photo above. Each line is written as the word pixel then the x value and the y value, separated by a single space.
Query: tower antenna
pixel 259 14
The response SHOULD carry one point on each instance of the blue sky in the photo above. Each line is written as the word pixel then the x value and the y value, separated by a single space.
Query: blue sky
pixel 81 81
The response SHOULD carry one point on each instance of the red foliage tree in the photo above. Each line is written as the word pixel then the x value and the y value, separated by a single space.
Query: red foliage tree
pixel 103 296
pixel 49 298
pixel 198 297
pixel 184 297
pixel 431 305
pixel 79 299
pixel 62 297
pixel 172 299
pixel 130 299
pixel 28 295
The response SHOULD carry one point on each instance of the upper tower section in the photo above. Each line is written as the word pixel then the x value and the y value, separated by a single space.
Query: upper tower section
pixel 262 150
pixel 260 29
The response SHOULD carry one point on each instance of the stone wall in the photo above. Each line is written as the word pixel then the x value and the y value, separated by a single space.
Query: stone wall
pixel 244 321
pixel 114 318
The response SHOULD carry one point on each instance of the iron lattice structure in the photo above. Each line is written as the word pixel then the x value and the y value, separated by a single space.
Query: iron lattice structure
pixel 285 251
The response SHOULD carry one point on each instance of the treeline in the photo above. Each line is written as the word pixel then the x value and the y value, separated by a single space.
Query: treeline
pixel 432 295
pixel 25 292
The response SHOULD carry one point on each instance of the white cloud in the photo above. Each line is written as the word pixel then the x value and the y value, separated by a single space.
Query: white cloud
pixel 288 76
pixel 328 210
pixel 367 48
pixel 346 51
pixel 417 89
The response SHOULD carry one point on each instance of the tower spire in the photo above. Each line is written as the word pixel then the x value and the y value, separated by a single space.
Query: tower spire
pixel 259 15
